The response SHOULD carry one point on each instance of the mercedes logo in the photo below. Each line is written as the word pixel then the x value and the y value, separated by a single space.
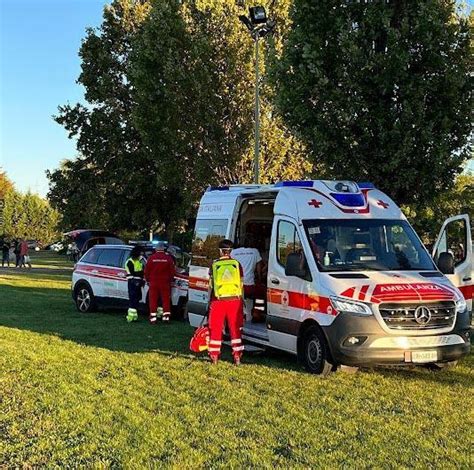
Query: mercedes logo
pixel 422 315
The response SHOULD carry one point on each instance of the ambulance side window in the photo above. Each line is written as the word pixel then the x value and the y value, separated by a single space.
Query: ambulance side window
pixel 207 235
pixel 288 241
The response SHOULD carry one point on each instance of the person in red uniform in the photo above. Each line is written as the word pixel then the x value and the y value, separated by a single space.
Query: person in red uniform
pixel 159 273
pixel 226 303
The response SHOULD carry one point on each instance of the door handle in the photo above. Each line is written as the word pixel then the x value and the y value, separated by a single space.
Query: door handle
pixel 94 271
pixel 274 280
pixel 468 278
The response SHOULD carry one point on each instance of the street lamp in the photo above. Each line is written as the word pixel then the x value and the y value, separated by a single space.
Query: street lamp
pixel 259 26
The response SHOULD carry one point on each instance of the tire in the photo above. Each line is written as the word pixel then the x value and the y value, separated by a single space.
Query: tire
pixel 314 353
pixel 84 298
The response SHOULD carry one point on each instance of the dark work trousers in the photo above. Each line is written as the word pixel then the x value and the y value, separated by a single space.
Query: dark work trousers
pixel 134 293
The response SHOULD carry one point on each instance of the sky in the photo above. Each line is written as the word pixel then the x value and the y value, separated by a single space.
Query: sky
pixel 39 65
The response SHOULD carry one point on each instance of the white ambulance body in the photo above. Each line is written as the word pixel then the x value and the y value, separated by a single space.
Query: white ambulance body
pixel 349 282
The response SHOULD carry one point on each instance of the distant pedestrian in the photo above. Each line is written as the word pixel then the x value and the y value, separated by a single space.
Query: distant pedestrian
pixel 16 251
pixel 5 253
pixel 24 258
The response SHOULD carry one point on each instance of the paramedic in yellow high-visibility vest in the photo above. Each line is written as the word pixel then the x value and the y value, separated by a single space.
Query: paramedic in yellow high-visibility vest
pixel 226 303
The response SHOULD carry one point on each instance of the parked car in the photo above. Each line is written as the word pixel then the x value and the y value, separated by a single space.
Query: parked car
pixel 83 239
pixel 33 245
pixel 56 246
pixel 99 281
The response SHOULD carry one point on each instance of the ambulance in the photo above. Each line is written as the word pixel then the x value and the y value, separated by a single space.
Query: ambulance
pixel 348 280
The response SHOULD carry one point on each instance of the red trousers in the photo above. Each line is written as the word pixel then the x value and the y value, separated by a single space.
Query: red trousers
pixel 220 312
pixel 160 291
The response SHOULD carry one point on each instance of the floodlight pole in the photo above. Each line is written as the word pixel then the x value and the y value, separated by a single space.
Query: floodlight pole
pixel 257 114
pixel 259 26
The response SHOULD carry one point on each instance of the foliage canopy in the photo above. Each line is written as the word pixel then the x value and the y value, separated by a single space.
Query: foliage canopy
pixel 381 91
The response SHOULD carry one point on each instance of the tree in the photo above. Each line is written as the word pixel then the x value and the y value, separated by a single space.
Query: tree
pixel 193 75
pixel 5 184
pixel 191 102
pixel 380 91
pixel 29 216
pixel 111 183
pixel 170 92
pixel 427 219
pixel 75 190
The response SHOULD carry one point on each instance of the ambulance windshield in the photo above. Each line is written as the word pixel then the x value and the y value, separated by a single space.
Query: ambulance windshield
pixel 373 245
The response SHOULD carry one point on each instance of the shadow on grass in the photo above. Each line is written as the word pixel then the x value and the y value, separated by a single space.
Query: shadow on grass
pixel 51 311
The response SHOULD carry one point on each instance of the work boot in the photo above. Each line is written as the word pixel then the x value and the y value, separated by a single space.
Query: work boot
pixel 131 315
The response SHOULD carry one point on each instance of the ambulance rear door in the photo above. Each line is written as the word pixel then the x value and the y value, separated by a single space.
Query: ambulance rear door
pixel 452 253
pixel 207 235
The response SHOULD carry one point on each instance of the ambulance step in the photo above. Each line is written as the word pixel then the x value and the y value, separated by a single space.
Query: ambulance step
pixel 251 348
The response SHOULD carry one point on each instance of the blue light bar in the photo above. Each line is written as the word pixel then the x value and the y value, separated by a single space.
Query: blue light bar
pixel 349 200
pixel 366 185
pixel 294 184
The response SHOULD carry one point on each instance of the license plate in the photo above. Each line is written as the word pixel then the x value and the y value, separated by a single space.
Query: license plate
pixel 424 356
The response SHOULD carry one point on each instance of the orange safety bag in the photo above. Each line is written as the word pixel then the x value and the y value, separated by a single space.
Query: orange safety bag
pixel 200 340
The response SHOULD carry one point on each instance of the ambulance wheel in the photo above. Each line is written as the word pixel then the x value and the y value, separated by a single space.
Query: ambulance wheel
pixel 314 354
pixel 84 298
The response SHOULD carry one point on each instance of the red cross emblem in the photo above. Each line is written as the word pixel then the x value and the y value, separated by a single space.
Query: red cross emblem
pixel 314 203
pixel 382 204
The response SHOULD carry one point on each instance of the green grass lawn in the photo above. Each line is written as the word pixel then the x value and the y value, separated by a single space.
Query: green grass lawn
pixel 94 391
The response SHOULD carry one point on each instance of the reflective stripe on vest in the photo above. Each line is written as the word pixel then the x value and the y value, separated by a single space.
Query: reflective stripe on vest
pixel 137 266
pixel 226 278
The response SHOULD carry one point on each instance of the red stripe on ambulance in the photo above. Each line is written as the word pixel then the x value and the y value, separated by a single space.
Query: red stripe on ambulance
pixel 349 292
pixel 467 291
pixel 198 283
pixel 363 291
pixel 311 302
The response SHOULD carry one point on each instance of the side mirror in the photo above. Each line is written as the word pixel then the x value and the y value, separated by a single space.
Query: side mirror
pixel 296 265
pixel 446 263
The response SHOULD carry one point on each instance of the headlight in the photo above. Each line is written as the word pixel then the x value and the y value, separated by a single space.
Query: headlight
pixel 343 305
pixel 461 305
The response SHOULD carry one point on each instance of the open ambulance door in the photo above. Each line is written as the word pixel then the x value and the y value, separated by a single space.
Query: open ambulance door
pixel 452 254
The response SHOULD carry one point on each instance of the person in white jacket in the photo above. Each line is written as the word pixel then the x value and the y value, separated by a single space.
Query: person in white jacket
pixel 249 258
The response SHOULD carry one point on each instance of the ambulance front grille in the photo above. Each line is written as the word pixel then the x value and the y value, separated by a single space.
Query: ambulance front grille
pixel 427 316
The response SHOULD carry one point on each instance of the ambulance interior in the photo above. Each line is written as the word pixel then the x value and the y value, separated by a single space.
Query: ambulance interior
pixel 256 219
